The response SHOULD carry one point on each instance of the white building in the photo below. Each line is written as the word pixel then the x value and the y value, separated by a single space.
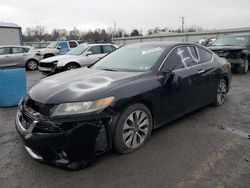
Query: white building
pixel 10 34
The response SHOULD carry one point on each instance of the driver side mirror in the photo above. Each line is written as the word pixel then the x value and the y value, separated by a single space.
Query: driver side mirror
pixel 88 53
pixel 58 47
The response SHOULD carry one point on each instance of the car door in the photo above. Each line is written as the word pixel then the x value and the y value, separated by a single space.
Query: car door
pixel 180 87
pixel 5 56
pixel 18 57
pixel 208 75
pixel 96 54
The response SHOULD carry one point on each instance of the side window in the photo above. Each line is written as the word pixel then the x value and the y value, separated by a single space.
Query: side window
pixel 173 62
pixel 205 56
pixel 107 49
pixel 26 49
pixel 18 50
pixel 188 56
pixel 5 51
pixel 72 44
pixel 95 50
pixel 63 45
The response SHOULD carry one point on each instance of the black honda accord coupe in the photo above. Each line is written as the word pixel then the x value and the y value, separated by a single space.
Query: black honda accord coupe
pixel 70 118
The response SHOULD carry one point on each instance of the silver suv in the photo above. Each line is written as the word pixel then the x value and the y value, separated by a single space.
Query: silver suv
pixel 83 55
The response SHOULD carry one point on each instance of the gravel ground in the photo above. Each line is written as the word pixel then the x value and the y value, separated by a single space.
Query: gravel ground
pixel 208 148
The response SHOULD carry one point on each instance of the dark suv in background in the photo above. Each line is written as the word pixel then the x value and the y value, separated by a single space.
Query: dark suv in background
pixel 236 49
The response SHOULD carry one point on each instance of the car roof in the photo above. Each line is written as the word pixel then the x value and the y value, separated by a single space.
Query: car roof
pixel 15 46
pixel 162 43
pixel 95 44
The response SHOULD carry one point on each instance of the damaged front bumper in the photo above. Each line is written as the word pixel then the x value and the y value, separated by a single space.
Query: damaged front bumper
pixel 73 147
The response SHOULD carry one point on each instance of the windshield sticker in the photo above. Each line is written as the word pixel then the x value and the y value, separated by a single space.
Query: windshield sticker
pixel 151 50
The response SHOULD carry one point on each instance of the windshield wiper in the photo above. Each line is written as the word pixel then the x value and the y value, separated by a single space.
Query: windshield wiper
pixel 106 69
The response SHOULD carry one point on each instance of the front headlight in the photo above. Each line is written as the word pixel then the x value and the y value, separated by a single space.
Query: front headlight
pixel 82 107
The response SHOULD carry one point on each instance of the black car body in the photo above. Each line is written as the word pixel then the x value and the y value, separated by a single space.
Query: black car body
pixel 183 77
pixel 236 49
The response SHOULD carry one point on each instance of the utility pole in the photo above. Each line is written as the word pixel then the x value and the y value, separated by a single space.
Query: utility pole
pixel 182 24
pixel 114 31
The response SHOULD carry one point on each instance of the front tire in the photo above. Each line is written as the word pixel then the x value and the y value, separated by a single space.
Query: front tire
pixel 71 66
pixel 133 129
pixel 242 68
pixel 221 93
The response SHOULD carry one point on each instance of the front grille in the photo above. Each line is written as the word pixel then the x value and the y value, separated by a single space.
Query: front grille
pixel 47 65
pixel 26 120
pixel 43 127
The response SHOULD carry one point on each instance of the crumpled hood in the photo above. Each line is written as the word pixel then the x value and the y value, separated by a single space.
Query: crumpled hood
pixel 82 84
pixel 216 48
pixel 57 58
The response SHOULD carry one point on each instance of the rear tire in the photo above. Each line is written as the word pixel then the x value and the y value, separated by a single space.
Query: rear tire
pixel 133 129
pixel 32 64
pixel 221 93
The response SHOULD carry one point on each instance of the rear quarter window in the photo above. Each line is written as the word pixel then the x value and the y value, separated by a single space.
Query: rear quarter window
pixel 72 44
pixel 205 56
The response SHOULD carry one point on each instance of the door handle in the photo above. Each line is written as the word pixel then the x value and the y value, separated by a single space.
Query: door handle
pixel 201 71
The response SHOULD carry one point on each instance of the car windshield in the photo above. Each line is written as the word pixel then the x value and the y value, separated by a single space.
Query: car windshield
pixel 131 58
pixel 78 50
pixel 232 41
pixel 52 45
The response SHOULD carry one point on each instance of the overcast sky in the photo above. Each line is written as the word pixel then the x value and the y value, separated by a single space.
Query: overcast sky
pixel 129 14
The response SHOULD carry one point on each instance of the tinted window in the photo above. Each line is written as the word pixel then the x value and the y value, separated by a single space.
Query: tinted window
pixel 18 50
pixel 95 50
pixel 26 49
pixel 63 45
pixel 4 51
pixel 205 56
pixel 72 44
pixel 107 49
pixel 173 61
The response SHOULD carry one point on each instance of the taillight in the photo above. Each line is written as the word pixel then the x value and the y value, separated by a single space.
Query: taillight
pixel 229 66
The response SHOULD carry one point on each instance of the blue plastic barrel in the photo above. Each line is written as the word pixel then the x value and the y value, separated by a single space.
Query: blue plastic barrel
pixel 12 86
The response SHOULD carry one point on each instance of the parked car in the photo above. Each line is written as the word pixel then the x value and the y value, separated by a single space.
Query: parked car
pixel 83 55
pixel 236 49
pixel 56 48
pixel 18 56
pixel 70 118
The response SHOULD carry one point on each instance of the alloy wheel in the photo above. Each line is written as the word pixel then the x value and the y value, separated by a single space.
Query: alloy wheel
pixel 32 65
pixel 135 129
pixel 221 92
pixel 71 67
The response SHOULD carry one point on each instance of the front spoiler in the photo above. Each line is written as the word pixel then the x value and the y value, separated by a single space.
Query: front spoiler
pixel 72 149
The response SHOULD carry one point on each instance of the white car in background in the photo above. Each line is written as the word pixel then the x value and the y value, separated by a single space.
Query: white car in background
pixel 18 56
pixel 81 56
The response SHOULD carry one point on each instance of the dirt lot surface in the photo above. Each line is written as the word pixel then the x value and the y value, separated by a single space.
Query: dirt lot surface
pixel 208 148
